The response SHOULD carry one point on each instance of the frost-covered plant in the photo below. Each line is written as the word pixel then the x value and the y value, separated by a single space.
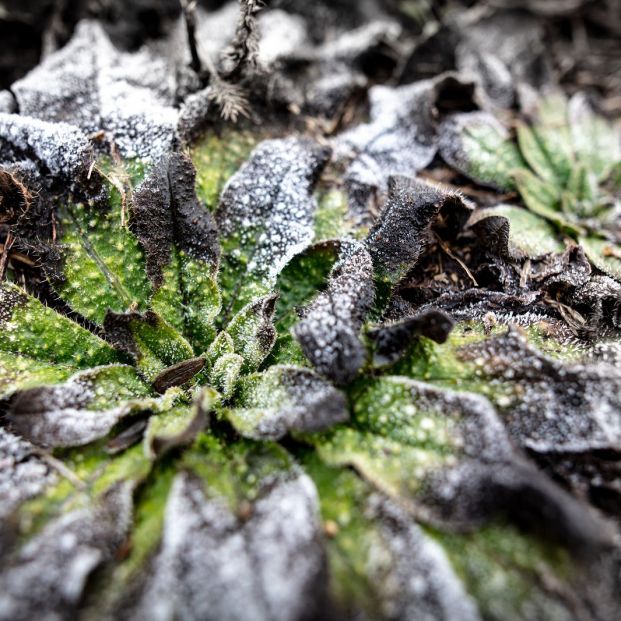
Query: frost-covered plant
pixel 564 165
pixel 229 393
pixel 219 432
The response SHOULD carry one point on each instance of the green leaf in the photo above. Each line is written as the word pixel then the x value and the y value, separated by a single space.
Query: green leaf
pixel 542 198
pixel 504 569
pixel 515 231
pixel 477 145
pixel 21 372
pixel 252 331
pixel 380 562
pixel 103 264
pixel 582 184
pixel 332 215
pixel 217 156
pixel 596 143
pixel 495 572
pixel 225 373
pixel 36 332
pixel 547 146
pixel 145 538
pixel 604 254
pixel 178 426
pixel 300 280
pixel 533 151
pixel 179 237
pixel 154 344
pixel 394 468
pixel 430 449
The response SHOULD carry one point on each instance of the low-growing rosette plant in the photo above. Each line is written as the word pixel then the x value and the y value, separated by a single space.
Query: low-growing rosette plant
pixel 564 163
pixel 207 416
pixel 268 372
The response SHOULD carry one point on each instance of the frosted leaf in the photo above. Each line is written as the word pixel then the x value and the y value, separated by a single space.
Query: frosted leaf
pixel 562 272
pixel 551 406
pixel 38 346
pixel 503 51
pixel 603 254
pixel 320 79
pixel 153 343
pixel 447 457
pixel 328 333
pixel 179 426
pixel 48 574
pixel 281 35
pixel 488 71
pixel 595 142
pixel 23 474
pixel 216 28
pixel 392 339
pixel 167 211
pixel 399 139
pixel 92 85
pixel 59 148
pixel 213 565
pixel 285 399
pixel 522 308
pixel 266 211
pixel 477 145
pixel 252 331
pixel 401 233
pixel 82 409
pixel 180 240
pixel 421 583
pixel 600 300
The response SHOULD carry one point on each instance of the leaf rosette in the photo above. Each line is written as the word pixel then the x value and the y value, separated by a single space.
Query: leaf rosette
pixel 223 400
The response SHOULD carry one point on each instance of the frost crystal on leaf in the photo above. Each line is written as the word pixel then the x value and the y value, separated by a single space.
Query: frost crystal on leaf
pixel 94 86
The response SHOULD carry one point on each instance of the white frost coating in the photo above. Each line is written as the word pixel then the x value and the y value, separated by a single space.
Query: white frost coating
pixel 215 29
pixel 66 419
pixel 284 541
pixel 46 579
pixel 329 331
pixel 288 399
pixel 268 202
pixel 281 34
pixel 421 583
pixel 64 415
pixel 355 42
pixel 399 138
pixel 94 86
pixel 514 39
pixel 203 570
pixel 555 406
pixel 214 566
pixel 60 147
pixel 22 473
pixel 318 78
